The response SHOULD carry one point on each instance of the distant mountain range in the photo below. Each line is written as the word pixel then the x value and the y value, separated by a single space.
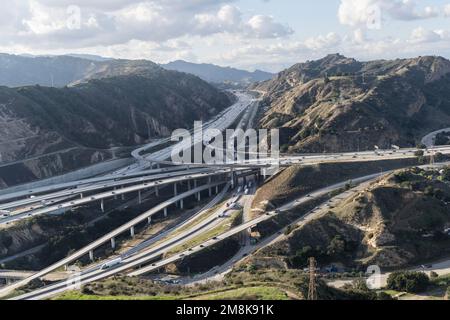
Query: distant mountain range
pixel 60 71
pixel 216 74
pixel 339 104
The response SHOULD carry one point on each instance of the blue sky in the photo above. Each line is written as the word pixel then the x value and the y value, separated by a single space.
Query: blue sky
pixel 265 34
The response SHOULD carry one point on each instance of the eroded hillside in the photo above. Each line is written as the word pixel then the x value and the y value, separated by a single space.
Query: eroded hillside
pixel 396 222
pixel 339 104
pixel 56 127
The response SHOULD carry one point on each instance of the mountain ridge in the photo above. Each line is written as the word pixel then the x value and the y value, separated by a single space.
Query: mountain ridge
pixel 117 108
pixel 217 74
pixel 339 104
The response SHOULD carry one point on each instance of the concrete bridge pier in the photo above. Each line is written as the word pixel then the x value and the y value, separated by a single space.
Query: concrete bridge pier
pixel 175 191
pixel 149 220
pixel 102 205
pixel 165 212
pixel 209 189
pixel 113 243
pixel 199 196
pixel 181 204
pixel 132 233
pixel 157 191
pixel 139 197
pixel 91 255
pixel 233 178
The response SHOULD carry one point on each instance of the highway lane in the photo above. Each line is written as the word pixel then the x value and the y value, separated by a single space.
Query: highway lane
pixel 229 115
pixel 124 228
pixel 143 257
pixel 223 122
pixel 429 139
pixel 217 273
pixel 83 182
pixel 111 194
pixel 147 244
pixel 182 225
pixel 94 187
pixel 135 260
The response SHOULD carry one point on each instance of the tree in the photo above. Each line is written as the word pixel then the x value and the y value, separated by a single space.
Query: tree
pixel 336 246
pixel 412 282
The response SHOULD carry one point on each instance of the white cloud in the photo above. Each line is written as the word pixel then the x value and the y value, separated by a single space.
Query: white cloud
pixel 261 26
pixel 44 22
pixel 358 13
pixel 447 10
pixel 331 40
pixel 421 35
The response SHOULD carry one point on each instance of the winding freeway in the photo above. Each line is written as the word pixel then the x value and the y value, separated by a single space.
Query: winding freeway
pixel 147 256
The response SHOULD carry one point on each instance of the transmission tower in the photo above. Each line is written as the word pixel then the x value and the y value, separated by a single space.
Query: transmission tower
pixel 312 292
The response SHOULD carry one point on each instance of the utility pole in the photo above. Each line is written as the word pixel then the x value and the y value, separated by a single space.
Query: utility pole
pixel 312 291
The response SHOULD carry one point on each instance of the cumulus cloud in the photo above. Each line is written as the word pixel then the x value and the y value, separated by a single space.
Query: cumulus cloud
pixel 422 35
pixel 266 27
pixel 105 22
pixel 331 40
pixel 358 13
pixel 447 10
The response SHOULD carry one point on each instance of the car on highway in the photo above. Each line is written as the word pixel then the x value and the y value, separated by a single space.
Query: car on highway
pixel 111 264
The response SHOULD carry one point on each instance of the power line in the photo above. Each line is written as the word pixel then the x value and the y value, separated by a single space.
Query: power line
pixel 312 291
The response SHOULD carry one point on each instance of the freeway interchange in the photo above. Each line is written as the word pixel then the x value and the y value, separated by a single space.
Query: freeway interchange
pixel 147 256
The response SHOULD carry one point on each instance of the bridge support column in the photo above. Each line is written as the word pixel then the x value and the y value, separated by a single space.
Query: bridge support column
pixel 139 197
pixel 181 204
pixel 189 184
pixel 217 189
pixel 132 232
pixel 175 191
pixel 195 184
pixel 102 205
pixel 232 180
pixel 199 196
pixel 123 196
pixel 157 191
pixel 115 196
pixel 81 195
pixel 91 255
pixel 165 212
pixel 210 189
pixel 113 243
pixel 149 220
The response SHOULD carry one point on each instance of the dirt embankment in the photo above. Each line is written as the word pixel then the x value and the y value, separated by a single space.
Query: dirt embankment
pixel 297 181
pixel 396 222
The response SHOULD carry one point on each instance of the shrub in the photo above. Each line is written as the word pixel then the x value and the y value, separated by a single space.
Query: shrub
pixel 419 153
pixel 413 282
